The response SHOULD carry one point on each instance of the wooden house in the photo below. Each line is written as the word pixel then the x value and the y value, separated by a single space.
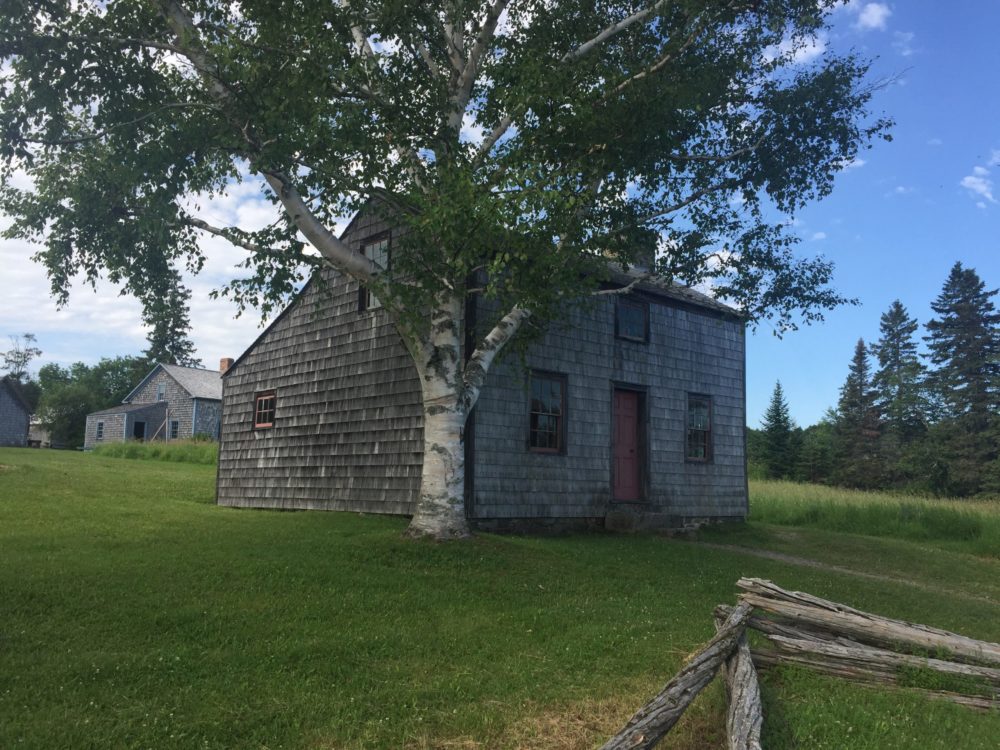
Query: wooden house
pixel 15 414
pixel 630 416
pixel 170 403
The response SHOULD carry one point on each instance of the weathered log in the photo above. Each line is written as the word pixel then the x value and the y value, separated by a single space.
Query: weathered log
pixel 862 626
pixel 744 716
pixel 866 659
pixel 651 722
pixel 777 627
pixel 765 659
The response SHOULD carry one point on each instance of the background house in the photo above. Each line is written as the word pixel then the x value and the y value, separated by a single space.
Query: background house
pixel 15 414
pixel 632 414
pixel 170 403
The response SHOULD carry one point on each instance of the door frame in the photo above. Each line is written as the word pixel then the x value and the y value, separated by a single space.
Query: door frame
pixel 642 440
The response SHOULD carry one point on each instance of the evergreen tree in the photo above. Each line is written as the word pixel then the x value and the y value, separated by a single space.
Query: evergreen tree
pixel 856 430
pixel 777 428
pixel 899 390
pixel 815 458
pixel 898 383
pixel 964 344
pixel 166 313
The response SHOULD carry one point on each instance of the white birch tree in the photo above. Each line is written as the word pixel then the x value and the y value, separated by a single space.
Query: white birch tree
pixel 519 143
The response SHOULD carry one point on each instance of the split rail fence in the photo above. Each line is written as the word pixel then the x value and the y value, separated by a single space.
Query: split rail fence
pixel 831 638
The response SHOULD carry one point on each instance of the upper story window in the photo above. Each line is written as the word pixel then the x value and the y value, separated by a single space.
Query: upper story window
pixel 161 391
pixel 265 404
pixel 632 319
pixel 547 413
pixel 699 428
pixel 100 430
pixel 378 251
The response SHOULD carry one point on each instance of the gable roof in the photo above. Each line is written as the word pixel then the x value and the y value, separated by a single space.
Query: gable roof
pixel 127 408
pixel 198 382
pixel 15 391
pixel 673 291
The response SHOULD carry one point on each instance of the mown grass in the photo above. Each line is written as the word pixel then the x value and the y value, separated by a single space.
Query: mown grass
pixel 966 525
pixel 135 613
pixel 182 451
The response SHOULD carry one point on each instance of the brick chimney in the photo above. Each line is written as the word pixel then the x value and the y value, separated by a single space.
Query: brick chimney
pixel 224 364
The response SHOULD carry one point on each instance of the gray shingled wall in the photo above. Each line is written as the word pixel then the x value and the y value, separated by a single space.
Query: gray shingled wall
pixel 13 420
pixel 181 405
pixel 348 427
pixel 688 352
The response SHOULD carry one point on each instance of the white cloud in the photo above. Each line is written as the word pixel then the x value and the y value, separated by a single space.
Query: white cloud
pixel 980 204
pixel 817 236
pixel 799 51
pixel 935 142
pixel 853 164
pixel 979 184
pixel 871 16
pixel 902 42
pixel 994 158
pixel 471 132
pixel 902 190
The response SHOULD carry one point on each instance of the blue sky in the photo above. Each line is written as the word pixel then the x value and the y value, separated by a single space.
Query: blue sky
pixel 894 225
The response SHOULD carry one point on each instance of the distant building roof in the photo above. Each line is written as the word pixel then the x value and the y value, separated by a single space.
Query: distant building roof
pixel 672 291
pixel 126 408
pixel 199 383
pixel 15 390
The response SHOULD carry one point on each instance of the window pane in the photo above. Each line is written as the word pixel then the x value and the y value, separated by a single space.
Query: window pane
pixel 545 413
pixel 632 319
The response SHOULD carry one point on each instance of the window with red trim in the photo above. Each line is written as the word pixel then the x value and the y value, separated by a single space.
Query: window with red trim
pixel 263 412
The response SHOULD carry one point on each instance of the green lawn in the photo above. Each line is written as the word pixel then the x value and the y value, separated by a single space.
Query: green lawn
pixel 135 613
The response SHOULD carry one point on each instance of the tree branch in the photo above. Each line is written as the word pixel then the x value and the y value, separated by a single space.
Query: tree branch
pixel 478 366
pixel 612 30
pixel 329 245
pixel 101 133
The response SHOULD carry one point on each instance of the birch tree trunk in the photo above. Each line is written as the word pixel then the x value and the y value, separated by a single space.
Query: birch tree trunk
pixel 440 511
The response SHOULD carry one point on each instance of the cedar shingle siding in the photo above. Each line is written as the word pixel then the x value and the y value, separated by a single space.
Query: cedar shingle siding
pixel 347 431
pixel 14 416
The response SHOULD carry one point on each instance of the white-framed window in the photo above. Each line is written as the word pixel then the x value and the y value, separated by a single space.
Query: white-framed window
pixel 378 251
pixel 161 392
pixel 100 430
pixel 174 429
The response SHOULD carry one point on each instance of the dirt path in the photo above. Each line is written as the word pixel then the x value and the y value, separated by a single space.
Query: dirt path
pixel 805 562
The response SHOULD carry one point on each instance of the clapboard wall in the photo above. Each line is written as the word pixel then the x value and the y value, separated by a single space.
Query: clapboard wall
pixel 690 351
pixel 348 430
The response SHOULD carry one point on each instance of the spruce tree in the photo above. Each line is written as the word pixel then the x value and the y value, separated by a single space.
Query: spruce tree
pixel 964 345
pixel 166 314
pixel 777 429
pixel 856 430
pixel 898 383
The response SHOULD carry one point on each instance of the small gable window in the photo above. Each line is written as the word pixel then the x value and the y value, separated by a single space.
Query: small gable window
pixel 161 391
pixel 547 413
pixel 632 319
pixel 378 251
pixel 699 428
pixel 264 407
pixel 174 429
pixel 100 430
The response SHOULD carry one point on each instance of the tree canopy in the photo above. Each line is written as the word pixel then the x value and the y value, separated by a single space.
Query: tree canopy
pixel 522 142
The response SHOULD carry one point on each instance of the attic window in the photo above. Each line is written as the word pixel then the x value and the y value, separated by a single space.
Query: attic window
pixel 378 251
pixel 264 407
pixel 632 319
pixel 699 428
pixel 161 392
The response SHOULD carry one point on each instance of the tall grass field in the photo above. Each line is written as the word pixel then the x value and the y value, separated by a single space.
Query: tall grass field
pixel 135 613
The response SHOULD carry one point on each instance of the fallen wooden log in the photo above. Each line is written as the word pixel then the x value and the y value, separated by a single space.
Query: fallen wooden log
pixel 821 614
pixel 651 722
pixel 765 659
pixel 777 627
pixel 744 715
pixel 866 659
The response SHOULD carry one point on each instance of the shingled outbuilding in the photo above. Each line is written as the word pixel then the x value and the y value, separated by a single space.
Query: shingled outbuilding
pixel 171 403
pixel 15 414
pixel 632 414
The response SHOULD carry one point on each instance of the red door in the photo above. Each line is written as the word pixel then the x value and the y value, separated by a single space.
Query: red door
pixel 625 455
